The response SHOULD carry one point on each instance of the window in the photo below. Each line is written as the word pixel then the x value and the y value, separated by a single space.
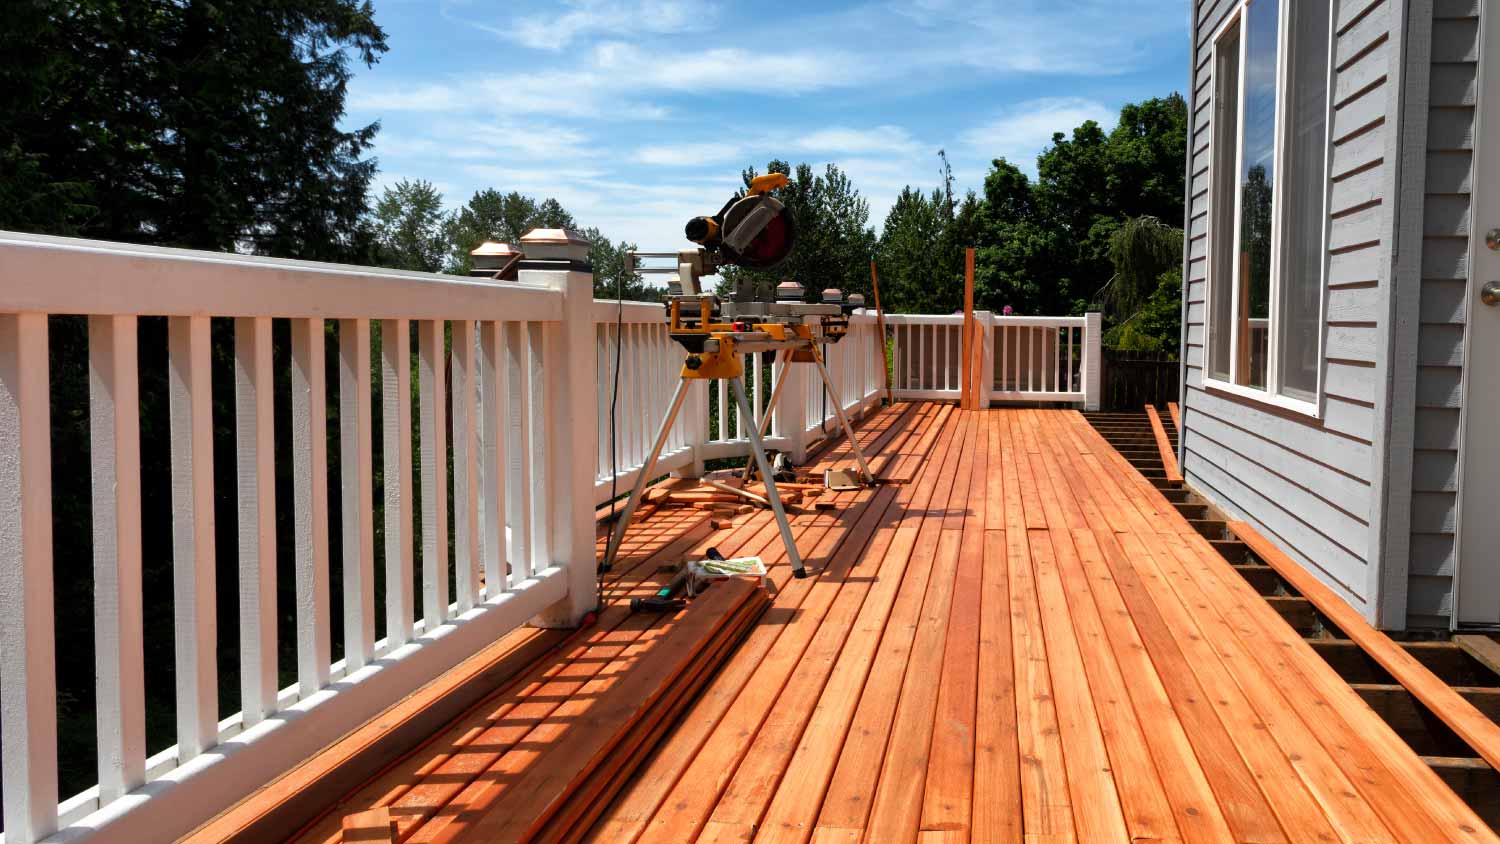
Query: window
pixel 1268 188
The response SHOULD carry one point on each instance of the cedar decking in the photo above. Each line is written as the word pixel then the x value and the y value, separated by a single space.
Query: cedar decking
pixel 1024 639
pixel 1019 639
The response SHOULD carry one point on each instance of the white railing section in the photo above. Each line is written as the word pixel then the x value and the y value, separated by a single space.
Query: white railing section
pixel 927 353
pixel 1053 359
pixel 649 367
pixel 522 549
pixel 1044 358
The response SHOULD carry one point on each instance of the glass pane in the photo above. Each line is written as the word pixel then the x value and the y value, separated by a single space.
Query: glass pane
pixel 1300 317
pixel 1221 229
pixel 1257 187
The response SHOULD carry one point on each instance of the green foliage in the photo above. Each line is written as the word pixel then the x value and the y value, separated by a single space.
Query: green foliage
pixel 412 227
pixel 1141 250
pixel 1042 246
pixel 1157 325
pixel 206 125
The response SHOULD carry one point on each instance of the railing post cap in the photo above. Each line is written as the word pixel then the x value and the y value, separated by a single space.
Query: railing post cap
pixel 555 245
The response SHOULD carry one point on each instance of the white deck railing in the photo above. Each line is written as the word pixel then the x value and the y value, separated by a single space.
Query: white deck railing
pixel 521 492
pixel 510 381
pixel 1053 359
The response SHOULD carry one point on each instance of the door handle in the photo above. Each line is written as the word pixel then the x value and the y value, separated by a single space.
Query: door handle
pixel 1490 293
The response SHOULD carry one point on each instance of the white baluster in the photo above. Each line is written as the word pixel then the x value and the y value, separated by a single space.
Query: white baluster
pixel 115 455
pixel 434 427
pixel 28 682
pixel 190 402
pixel 541 482
pixel 496 423
pixel 356 496
pixel 395 397
pixel 518 474
pixel 465 466
pixel 255 462
pixel 310 504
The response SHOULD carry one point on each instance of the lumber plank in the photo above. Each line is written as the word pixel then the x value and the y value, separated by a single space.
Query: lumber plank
pixel 1047 810
pixel 896 812
pixel 1469 723
pixel 518 790
pixel 780 726
pixel 1176 416
pixel 1095 801
pixel 603 779
pixel 948 801
pixel 851 789
pixel 1164 446
pixel 1482 648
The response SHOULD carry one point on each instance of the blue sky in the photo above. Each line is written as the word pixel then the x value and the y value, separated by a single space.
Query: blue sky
pixel 637 114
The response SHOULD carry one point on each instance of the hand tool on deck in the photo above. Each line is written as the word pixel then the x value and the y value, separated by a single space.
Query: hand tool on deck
pixel 753 230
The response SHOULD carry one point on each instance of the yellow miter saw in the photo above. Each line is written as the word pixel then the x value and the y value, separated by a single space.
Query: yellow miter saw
pixel 753 230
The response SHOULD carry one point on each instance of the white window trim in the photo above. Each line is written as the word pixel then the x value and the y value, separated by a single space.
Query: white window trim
pixel 1271 394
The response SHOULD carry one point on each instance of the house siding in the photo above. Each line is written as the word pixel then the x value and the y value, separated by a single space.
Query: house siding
pixel 1445 231
pixel 1309 484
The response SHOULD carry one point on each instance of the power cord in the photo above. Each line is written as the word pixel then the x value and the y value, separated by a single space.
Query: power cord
pixel 614 398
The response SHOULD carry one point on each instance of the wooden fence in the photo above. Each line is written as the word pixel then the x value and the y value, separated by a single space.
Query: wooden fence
pixel 1133 379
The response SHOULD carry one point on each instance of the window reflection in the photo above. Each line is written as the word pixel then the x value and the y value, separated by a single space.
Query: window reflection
pixel 1257 187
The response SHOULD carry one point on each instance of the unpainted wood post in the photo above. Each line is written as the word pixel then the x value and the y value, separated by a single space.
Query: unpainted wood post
pixel 559 259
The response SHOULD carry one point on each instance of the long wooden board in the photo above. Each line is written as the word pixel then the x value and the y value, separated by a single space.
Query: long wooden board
pixel 1164 446
pixel 1469 723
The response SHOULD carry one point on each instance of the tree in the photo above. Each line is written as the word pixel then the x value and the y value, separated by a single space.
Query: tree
pixel 1143 297
pixel 412 227
pixel 206 125
pixel 1046 246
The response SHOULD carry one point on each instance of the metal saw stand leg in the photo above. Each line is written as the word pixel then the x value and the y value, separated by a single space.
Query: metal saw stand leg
pixel 758 449
pixel 838 409
pixel 778 378
pixel 617 533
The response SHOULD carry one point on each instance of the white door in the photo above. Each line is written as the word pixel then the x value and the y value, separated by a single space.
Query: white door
pixel 1477 592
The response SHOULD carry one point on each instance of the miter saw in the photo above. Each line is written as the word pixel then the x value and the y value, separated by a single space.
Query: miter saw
pixel 753 230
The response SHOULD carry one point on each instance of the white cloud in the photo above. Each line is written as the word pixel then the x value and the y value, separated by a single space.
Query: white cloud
pixel 555 31
pixel 1025 129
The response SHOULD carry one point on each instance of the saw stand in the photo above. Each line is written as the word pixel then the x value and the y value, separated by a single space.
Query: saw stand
pixel 721 359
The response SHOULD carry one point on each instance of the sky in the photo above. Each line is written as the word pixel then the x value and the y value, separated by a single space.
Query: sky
pixel 639 114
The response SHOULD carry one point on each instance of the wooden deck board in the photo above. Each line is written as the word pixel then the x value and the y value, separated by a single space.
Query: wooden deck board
pixel 1024 642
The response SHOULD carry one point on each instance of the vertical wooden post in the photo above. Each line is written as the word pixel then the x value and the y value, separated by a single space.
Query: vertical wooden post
pixel 968 398
pixel 885 359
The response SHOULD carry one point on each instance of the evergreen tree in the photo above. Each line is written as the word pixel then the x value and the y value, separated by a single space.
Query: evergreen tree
pixel 412 227
pixel 199 124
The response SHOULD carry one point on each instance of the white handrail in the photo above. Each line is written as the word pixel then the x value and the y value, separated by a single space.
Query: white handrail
pixel 521 497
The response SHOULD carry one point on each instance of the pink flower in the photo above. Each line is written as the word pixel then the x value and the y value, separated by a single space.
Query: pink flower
pixel 1007 310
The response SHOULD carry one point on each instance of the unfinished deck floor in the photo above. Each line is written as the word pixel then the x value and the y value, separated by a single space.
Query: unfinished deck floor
pixel 1022 640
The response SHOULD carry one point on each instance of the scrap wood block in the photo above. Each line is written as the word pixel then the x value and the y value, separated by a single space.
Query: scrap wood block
pixel 372 826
